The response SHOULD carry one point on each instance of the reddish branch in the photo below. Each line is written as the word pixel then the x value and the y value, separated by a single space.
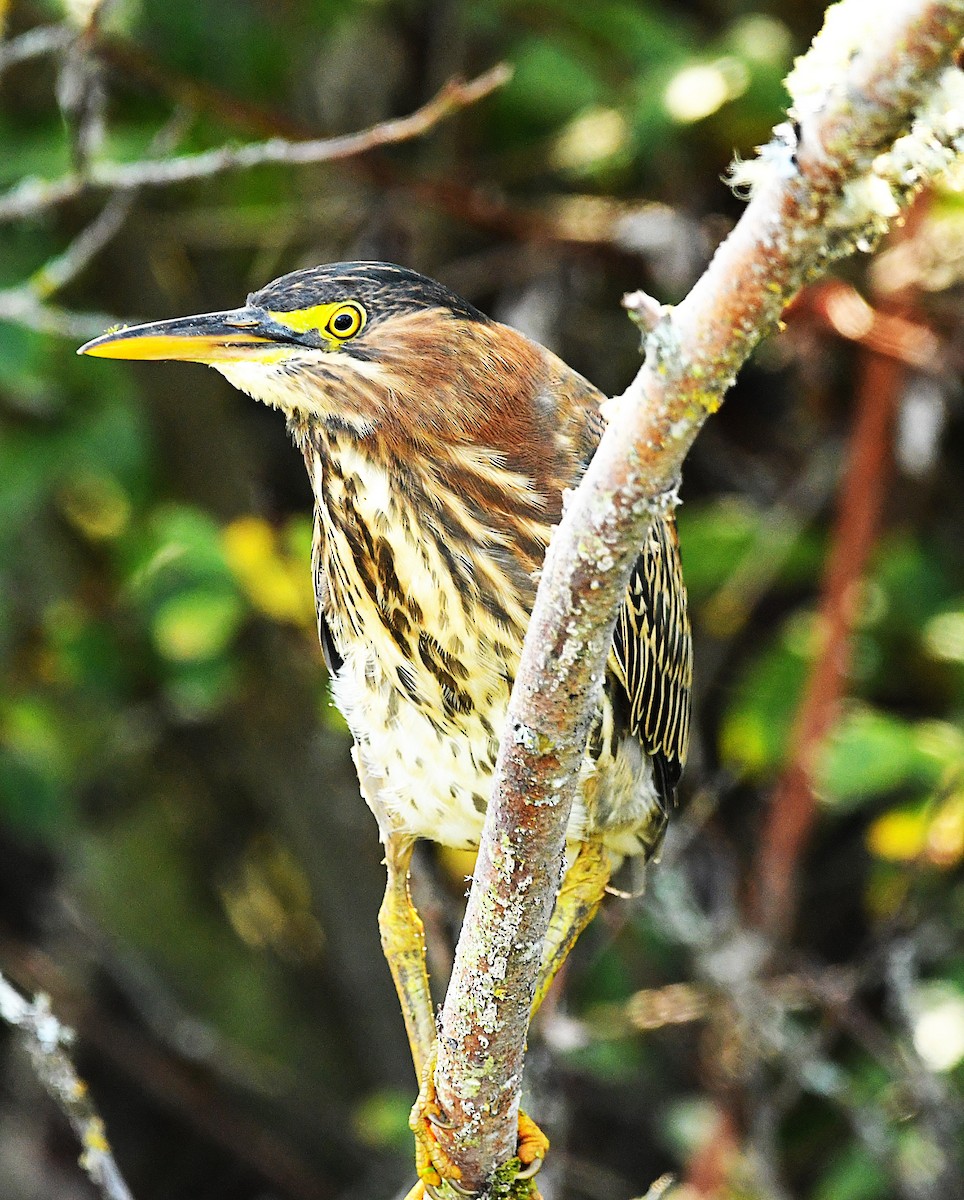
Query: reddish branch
pixel 691 358
pixel 793 810
pixel 840 308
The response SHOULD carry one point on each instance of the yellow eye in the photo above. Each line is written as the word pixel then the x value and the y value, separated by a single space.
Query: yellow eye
pixel 345 321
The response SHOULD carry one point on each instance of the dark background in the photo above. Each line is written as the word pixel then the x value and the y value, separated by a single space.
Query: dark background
pixel 185 864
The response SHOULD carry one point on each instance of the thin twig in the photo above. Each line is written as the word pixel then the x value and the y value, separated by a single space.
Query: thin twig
pixel 46 1041
pixel 840 307
pixel 35 43
pixel 33 196
pixel 21 306
pixel 801 216
pixel 180 1088
pixel 57 272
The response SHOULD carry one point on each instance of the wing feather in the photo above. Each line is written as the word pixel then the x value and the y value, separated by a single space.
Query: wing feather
pixel 652 655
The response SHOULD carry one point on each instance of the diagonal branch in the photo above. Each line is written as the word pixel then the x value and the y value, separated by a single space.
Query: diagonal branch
pixel 33 196
pixel 28 303
pixel 35 43
pixel 825 186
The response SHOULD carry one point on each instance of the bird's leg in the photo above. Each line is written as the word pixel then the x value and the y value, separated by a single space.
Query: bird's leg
pixel 579 897
pixel 403 943
pixel 432 1163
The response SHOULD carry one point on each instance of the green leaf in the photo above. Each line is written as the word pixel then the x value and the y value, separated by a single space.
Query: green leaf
pixel 756 727
pixel 853 1176
pixel 196 625
pixel 870 753
pixel 381 1120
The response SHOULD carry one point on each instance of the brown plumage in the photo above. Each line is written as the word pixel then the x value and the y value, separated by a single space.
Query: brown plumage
pixel 439 444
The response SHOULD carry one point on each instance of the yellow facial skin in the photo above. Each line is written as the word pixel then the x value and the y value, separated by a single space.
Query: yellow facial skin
pixel 338 321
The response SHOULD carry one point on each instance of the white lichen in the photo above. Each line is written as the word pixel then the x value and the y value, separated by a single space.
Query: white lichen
pixel 868 203
pixel 931 149
pixel 847 28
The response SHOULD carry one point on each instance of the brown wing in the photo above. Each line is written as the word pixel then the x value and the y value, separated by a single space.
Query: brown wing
pixel 652 655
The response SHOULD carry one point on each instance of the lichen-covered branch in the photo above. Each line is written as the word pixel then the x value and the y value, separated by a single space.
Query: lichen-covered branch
pixel 46 1040
pixel 829 183
pixel 33 196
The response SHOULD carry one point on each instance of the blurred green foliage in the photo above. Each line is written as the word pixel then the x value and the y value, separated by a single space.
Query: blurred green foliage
pixel 180 829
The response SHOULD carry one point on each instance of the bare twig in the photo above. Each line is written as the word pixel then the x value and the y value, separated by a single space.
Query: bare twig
pixel 35 43
pixel 28 304
pixel 180 1088
pixel 806 210
pixel 21 306
pixel 683 1003
pixel 34 196
pixel 57 272
pixel 46 1041
pixel 840 307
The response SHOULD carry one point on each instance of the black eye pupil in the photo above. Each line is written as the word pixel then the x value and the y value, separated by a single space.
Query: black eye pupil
pixel 343 322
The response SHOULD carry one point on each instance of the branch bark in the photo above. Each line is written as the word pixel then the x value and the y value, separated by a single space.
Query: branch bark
pixel 816 197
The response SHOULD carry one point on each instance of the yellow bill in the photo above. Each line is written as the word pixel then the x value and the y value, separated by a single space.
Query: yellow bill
pixel 235 336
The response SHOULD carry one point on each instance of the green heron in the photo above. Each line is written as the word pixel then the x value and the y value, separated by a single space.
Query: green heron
pixel 439 444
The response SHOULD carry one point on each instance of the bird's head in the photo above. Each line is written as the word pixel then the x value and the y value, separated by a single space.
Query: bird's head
pixel 350 343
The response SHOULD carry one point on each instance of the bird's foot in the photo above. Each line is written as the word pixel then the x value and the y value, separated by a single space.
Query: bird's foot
pixel 531 1148
pixel 437 1173
pixel 439 1176
pixel 515 1180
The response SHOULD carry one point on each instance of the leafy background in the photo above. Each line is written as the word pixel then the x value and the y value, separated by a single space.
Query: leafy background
pixel 185 865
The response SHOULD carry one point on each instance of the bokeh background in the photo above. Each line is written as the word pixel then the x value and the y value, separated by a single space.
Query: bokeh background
pixel 185 865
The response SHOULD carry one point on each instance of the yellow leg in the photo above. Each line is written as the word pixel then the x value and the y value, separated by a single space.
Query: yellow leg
pixel 403 940
pixel 579 897
pixel 403 943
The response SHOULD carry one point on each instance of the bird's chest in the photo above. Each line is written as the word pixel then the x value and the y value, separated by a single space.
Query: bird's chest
pixel 428 655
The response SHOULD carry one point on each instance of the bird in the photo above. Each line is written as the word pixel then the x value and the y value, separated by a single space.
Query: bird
pixel 439 444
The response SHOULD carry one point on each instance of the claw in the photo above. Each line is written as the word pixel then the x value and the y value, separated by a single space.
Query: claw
pixel 439 1175
pixel 457 1187
pixel 532 1169
pixel 434 1167
pixel 438 1120
pixel 532 1147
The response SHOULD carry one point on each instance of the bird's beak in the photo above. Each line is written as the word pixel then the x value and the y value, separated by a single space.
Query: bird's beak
pixel 235 336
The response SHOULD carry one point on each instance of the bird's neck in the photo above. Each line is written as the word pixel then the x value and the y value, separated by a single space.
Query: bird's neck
pixel 458 533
